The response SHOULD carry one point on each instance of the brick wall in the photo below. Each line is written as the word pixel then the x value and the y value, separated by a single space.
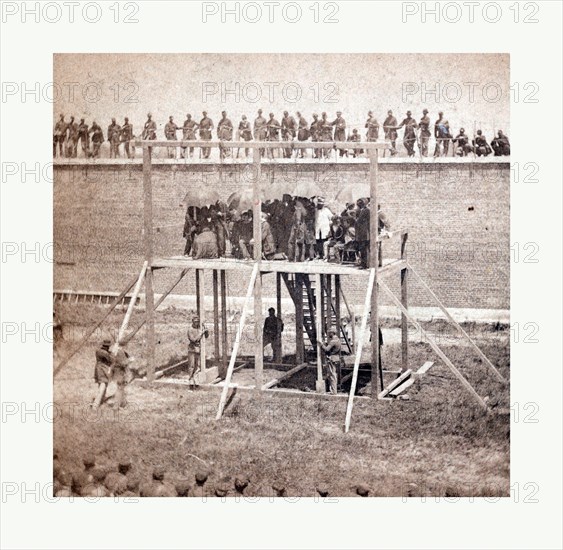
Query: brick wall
pixel 457 215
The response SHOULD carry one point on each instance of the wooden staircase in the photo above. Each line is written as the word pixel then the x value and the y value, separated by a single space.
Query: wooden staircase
pixel 302 287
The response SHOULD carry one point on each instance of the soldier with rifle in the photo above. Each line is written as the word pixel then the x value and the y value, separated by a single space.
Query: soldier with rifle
pixel 224 133
pixel 114 132
pixel 59 136
pixel 97 138
pixel 170 130
pixel 205 128
pixel 189 130
pixel 149 130
pixel 303 133
pixel 389 127
pixel 288 130
pixel 244 134
pixel 260 129
pixel 127 136
pixel 84 137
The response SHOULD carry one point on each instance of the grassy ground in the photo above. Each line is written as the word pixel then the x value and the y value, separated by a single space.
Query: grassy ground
pixel 437 443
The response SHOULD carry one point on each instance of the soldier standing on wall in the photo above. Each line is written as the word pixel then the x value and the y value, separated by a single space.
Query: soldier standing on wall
pixel 425 133
pixel 390 132
pixel 59 136
pixel 189 130
pixel 114 133
pixel 126 136
pixel 84 138
pixel 170 129
pixel 205 128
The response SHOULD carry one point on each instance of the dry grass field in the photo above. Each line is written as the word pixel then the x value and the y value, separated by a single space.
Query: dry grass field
pixel 436 443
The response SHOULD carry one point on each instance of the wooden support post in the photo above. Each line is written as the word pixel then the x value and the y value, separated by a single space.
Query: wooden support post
pixel 329 311
pixel 236 345
pixel 371 288
pixel 404 323
pixel 215 315
pixel 299 342
pixel 197 294
pixel 374 263
pixel 224 328
pixel 320 385
pixel 258 323
pixel 337 304
pixel 131 305
pixel 149 252
pixel 200 285
pixel 278 295
pixel 257 234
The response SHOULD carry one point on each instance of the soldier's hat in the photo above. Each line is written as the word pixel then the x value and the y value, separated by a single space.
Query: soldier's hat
pixel 149 114
pixel 170 117
pixel 61 116
pixel 331 331
pixel 338 112
pixel 461 130
pixel 424 111
pixel 259 111
pixel 106 343
pixel 315 115
pixel 127 119
pixel 409 113
pixel 370 113
pixel 82 119
pixel 271 309
pixel 440 112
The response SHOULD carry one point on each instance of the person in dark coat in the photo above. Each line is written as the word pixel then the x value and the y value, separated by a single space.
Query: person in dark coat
pixel 303 133
pixel 84 138
pixel 188 134
pixel 97 138
pixel 127 136
pixel 409 138
pixel 114 133
pixel 339 130
pixel 362 232
pixel 482 148
pixel 425 133
pixel 205 128
pixel 59 136
pixel 102 371
pixel 224 133
pixel 501 145
pixel 389 126
pixel 271 334
pixel 289 131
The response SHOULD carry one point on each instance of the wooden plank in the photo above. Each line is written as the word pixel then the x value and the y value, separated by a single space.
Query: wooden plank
pixel 359 347
pixel 159 373
pixel 320 384
pixel 397 382
pixel 437 349
pixel 405 385
pixel 129 311
pixel 284 376
pixel 87 336
pixel 424 369
pixel 236 345
pixel 459 327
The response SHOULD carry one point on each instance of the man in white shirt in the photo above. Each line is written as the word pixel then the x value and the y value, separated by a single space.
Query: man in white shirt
pixel 323 217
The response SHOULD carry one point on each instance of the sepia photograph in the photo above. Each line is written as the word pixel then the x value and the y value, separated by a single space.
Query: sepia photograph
pixel 230 319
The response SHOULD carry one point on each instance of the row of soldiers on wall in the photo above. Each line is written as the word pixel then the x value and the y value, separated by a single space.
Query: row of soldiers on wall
pixel 295 228
pixel 68 135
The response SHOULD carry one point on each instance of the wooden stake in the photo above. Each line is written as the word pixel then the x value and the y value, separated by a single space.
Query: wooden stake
pixel 149 251
pixel 320 386
pixel 337 304
pixel 371 288
pixel 236 345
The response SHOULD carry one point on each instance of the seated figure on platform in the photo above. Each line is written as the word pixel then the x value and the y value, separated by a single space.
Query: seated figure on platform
pixel 205 244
